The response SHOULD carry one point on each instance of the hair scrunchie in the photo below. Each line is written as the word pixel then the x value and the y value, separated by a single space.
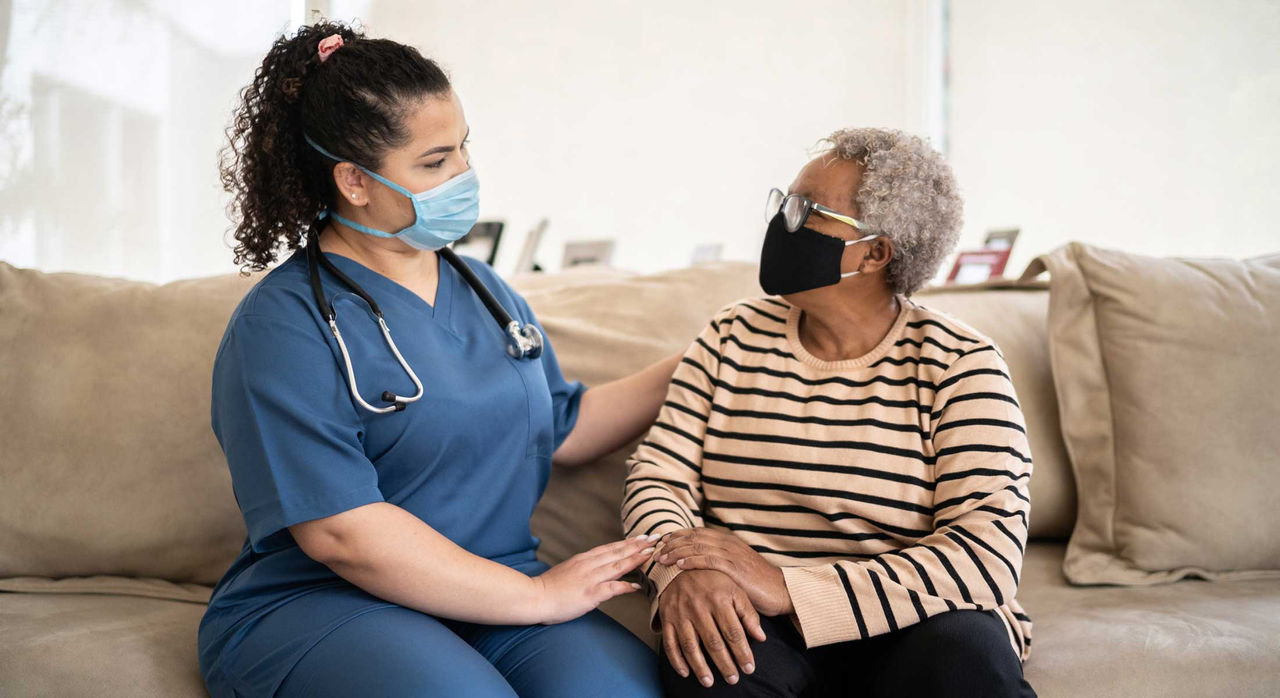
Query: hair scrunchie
pixel 328 45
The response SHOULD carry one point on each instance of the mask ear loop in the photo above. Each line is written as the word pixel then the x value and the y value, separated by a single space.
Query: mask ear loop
pixel 864 238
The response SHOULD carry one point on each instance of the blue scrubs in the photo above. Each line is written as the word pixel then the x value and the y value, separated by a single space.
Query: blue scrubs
pixel 471 459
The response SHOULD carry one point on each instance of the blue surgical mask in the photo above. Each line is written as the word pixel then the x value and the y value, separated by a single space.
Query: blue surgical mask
pixel 443 213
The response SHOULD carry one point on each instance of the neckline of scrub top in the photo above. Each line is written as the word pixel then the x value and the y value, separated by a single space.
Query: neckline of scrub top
pixel 439 311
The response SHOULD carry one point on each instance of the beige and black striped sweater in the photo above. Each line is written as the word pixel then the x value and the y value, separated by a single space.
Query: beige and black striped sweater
pixel 889 488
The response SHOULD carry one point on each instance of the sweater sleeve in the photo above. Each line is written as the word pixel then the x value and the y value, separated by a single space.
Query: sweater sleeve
pixel 973 558
pixel 663 490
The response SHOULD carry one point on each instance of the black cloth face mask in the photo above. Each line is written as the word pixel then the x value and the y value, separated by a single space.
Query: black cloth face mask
pixel 800 261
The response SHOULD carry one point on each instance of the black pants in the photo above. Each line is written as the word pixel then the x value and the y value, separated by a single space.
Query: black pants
pixel 957 653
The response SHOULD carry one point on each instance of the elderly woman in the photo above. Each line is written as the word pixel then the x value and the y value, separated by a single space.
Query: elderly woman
pixel 840 474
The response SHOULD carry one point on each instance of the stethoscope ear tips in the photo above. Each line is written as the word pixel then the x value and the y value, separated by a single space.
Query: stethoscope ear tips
pixel 388 396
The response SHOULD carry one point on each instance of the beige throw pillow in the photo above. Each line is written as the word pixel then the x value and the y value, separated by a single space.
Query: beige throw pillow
pixel 1169 392
pixel 108 465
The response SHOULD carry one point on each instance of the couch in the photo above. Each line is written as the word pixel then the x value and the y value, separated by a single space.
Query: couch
pixel 117 514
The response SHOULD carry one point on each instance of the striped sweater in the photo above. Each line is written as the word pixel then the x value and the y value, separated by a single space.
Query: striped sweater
pixel 888 488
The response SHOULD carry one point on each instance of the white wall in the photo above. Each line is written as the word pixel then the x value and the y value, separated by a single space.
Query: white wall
pixel 1149 125
pixel 661 124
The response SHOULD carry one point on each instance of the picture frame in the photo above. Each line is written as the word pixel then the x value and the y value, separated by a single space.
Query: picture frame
pixel 584 252
pixel 976 266
pixel 1001 238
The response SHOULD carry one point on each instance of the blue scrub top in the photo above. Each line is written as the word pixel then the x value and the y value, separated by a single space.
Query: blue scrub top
pixel 471 458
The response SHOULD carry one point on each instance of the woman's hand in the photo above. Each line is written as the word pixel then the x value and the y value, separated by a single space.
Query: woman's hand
pixel 588 579
pixel 714 549
pixel 706 609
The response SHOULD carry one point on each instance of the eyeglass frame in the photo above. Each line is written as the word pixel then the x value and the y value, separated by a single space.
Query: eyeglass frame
pixel 809 207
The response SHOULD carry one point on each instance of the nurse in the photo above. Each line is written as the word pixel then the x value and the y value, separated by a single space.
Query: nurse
pixel 389 552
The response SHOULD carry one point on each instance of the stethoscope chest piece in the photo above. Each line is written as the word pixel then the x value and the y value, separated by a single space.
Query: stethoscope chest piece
pixel 523 342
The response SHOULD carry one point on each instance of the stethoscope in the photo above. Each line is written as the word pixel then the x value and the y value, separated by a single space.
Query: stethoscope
pixel 523 341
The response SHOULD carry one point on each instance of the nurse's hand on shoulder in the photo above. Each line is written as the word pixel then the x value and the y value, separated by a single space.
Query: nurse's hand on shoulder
pixel 590 578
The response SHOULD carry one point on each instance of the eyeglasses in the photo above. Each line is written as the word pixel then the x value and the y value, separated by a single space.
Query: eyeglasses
pixel 796 209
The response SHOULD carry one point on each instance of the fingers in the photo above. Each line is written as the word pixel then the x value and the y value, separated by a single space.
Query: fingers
pixel 611 552
pixel 671 645
pixel 612 560
pixel 692 650
pixel 716 647
pixel 608 590
pixel 618 548
pixel 702 534
pixel 677 535
pixel 707 562
pixel 614 568
pixel 735 637
pixel 750 619
pixel 671 552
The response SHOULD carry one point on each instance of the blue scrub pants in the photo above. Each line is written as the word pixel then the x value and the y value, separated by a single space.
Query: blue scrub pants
pixel 396 651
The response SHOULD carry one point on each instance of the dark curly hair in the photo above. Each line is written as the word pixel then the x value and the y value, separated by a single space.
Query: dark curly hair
pixel 354 105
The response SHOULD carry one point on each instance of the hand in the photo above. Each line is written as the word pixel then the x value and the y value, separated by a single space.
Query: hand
pixel 714 549
pixel 707 605
pixel 588 579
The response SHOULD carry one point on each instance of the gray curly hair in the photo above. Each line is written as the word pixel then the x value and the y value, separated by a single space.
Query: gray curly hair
pixel 909 195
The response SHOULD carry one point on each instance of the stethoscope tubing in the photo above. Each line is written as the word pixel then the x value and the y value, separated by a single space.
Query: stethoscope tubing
pixel 523 342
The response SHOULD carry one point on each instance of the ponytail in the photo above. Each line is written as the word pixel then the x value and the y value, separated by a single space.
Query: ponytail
pixel 353 104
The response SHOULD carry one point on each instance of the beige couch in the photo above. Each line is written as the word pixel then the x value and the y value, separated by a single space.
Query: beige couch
pixel 117 516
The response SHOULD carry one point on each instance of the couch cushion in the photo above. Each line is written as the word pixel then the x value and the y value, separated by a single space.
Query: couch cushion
pixel 109 465
pixel 1193 638
pixel 1167 385
pixel 98 645
pixel 148 587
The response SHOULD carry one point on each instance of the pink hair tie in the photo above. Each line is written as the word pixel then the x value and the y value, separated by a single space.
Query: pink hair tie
pixel 328 45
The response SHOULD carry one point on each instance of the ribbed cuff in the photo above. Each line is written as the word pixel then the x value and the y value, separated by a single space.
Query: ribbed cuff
pixel 659 577
pixel 822 609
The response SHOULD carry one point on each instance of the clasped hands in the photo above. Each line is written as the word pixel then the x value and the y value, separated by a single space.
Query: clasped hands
pixel 716 601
